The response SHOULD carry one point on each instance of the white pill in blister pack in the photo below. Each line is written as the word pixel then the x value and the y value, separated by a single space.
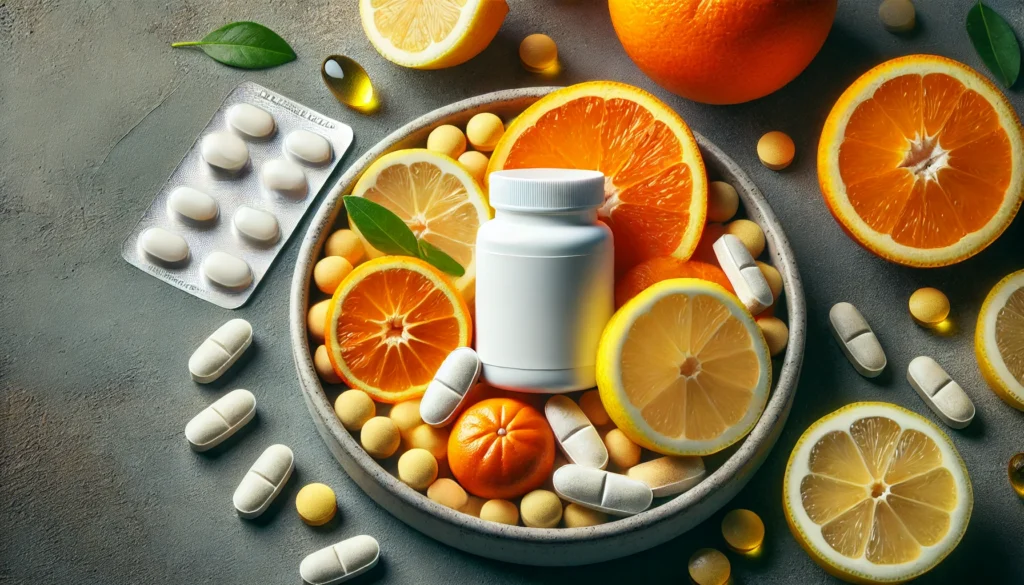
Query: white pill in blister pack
pixel 284 177
pixel 340 562
pixel 602 490
pixel 226 270
pixel 251 121
pixel 453 381
pixel 576 436
pixel 217 422
pixel 220 351
pixel 857 340
pixel 940 392
pixel 163 245
pixel 225 151
pixel 746 278
pixel 192 204
pixel 308 147
pixel 668 476
pixel 256 224
pixel 263 481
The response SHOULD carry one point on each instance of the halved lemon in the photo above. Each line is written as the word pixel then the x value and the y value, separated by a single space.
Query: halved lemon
pixel 436 197
pixel 683 369
pixel 999 339
pixel 431 34
pixel 876 493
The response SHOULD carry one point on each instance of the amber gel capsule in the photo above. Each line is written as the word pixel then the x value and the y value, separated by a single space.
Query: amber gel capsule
pixel 349 82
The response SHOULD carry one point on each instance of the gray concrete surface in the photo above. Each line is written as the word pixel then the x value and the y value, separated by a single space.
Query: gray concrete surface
pixel 97 485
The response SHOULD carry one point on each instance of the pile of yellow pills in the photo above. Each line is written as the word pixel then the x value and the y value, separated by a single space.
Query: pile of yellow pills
pixel 380 437
pixel 484 131
pixel 345 243
pixel 776 334
pixel 541 509
pixel 743 530
pixel 500 511
pixel 447 140
pixel 476 163
pixel 776 150
pixel 427 437
pixel 929 306
pixel 709 567
pixel 323 367
pixel 723 201
pixel 329 272
pixel 591 405
pixel 774 278
pixel 749 233
pixel 448 493
pixel 538 52
pixel 417 468
pixel 406 415
pixel 316 320
pixel 354 408
pixel 1016 471
pixel 577 516
pixel 897 16
pixel 622 451
pixel 316 504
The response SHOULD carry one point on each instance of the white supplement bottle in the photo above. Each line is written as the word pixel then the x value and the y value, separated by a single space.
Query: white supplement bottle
pixel 545 280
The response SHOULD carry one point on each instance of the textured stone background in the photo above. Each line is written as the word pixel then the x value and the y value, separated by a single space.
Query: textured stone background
pixel 97 485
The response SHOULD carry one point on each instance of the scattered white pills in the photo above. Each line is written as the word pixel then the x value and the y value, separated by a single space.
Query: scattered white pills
pixel 225 151
pixel 257 225
pixel 856 339
pixel 285 177
pixel 263 482
pixel 940 392
pixel 602 490
pixel 668 476
pixel 226 270
pixel 340 562
pixel 220 351
pixel 746 278
pixel 163 245
pixel 192 204
pixel 577 438
pixel 215 423
pixel 308 147
pixel 445 393
pixel 251 121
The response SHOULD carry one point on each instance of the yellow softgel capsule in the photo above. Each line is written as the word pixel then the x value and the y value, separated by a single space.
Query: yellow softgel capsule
pixel 354 408
pixel 448 492
pixel 776 150
pixel 576 516
pixel 591 405
pixel 774 278
pixel 447 140
pixel 538 52
pixel 316 504
pixel 929 306
pixel 329 272
pixel 316 320
pixel 743 530
pixel 476 163
pixel 380 437
pixel 749 233
pixel 345 243
pixel 500 511
pixel 709 567
pixel 349 83
pixel 406 415
pixel 417 468
pixel 775 332
pixel 622 451
pixel 541 509
pixel 323 367
pixel 1016 471
pixel 723 201
pixel 427 437
pixel 484 131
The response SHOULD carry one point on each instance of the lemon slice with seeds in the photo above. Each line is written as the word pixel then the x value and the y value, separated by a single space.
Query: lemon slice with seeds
pixel 999 339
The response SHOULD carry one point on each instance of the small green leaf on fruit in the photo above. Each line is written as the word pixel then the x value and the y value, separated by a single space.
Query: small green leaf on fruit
pixel 247 45
pixel 383 229
pixel 995 43
pixel 438 259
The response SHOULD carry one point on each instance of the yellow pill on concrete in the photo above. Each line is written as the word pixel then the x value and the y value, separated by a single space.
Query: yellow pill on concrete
pixel 500 511
pixel 776 150
pixel 476 163
pixel 447 140
pixel 591 405
pixel 316 504
pixel 417 468
pixel 541 509
pixel 380 437
pixel 323 367
pixel 316 320
pixel 448 492
pixel 929 306
pixel 484 131
pixel 723 201
pixel 897 16
pixel 743 530
pixel 345 243
pixel 577 516
pixel 774 278
pixel 354 408
pixel 427 437
pixel 406 415
pixel 329 272
pixel 538 52
pixel 749 233
pixel 775 332
pixel 622 451
pixel 709 567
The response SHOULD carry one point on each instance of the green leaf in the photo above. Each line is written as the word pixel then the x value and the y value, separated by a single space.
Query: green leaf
pixel 439 259
pixel 247 45
pixel 995 43
pixel 381 227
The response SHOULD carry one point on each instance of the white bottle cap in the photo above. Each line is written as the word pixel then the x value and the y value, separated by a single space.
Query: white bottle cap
pixel 546 189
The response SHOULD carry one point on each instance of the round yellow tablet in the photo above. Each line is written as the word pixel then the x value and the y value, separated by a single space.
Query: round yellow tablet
pixel 323 367
pixel 749 233
pixel 577 516
pixel 541 509
pixel 743 530
pixel 776 150
pixel 538 52
pixel 329 272
pixel 622 452
pixel 316 504
pixel 500 511
pixel 709 567
pixel 427 437
pixel 775 332
pixel 448 492
pixel 774 278
pixel 723 201
pixel 406 415
pixel 591 405
pixel 929 306
pixel 316 320
pixel 345 243
pixel 476 163
pixel 417 468
pixel 484 130
pixel 380 437
pixel 354 408
pixel 447 140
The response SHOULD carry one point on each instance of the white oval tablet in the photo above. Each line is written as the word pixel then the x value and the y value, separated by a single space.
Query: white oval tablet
pixel 251 121
pixel 602 490
pixel 227 270
pixel 746 278
pixel 225 151
pixel 192 204
pixel 220 420
pixel 163 245
pixel 285 177
pixel 940 392
pixel 856 339
pixel 668 476
pixel 257 224
pixel 577 437
pixel 220 351
pixel 264 481
pixel 340 562
pixel 308 147
pixel 445 393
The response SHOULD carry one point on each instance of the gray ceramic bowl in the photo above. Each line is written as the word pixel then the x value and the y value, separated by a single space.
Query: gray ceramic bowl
pixel 536 546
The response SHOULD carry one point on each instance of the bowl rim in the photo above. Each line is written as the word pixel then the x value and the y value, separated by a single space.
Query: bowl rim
pixel 750 449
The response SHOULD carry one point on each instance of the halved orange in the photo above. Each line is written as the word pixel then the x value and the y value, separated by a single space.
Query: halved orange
pixel 391 323
pixel 655 184
pixel 920 161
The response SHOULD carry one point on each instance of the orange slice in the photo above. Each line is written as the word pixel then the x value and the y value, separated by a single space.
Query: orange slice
pixel 920 161
pixel 391 323
pixel 655 270
pixel 655 186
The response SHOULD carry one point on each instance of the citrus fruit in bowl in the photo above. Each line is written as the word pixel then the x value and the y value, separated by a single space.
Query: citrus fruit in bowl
pixel 722 51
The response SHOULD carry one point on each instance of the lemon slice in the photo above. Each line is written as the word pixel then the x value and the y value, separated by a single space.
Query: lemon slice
pixel 431 34
pixel 876 494
pixel 999 339
pixel 683 368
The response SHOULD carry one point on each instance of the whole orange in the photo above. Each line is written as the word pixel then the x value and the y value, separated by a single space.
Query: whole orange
pixel 501 448
pixel 722 51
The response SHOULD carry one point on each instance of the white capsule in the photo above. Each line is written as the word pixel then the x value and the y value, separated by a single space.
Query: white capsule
pixel 308 147
pixel 225 151
pixel 250 121
pixel 226 270
pixel 220 420
pixel 263 481
pixel 256 224
pixel 163 245
pixel 602 490
pixel 284 177
pixel 340 562
pixel 577 437
pixel 668 476
pixel 857 340
pixel 445 393
pixel 746 278
pixel 192 204
pixel 220 351
pixel 940 392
